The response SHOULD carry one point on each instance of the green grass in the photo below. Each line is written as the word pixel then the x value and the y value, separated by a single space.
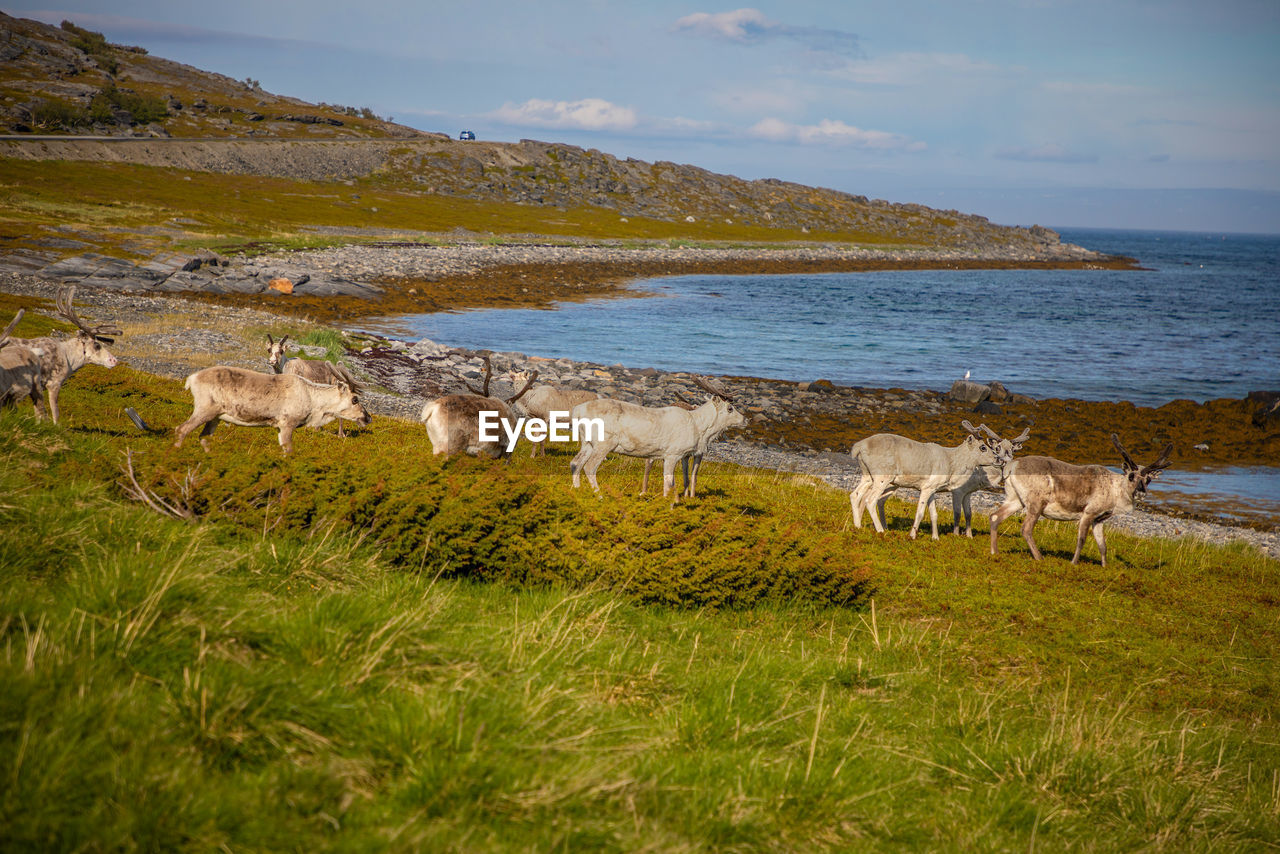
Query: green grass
pixel 269 679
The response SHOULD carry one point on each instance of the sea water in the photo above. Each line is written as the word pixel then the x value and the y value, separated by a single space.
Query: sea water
pixel 1199 321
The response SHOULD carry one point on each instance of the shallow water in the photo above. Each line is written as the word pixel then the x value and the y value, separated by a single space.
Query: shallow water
pixel 1240 493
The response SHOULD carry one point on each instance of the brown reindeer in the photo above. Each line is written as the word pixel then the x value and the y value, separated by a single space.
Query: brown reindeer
pixel 453 421
pixel 1089 495
pixel 252 399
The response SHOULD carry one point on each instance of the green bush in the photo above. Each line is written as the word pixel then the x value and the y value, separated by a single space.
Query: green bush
pixel 58 115
pixel 142 109
pixel 514 523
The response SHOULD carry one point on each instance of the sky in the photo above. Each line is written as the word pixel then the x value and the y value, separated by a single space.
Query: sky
pixel 1161 114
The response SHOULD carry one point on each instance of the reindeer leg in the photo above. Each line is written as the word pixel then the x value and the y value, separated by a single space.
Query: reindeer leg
pixel 37 400
pixel 668 476
pixel 286 437
pixel 1082 531
pixel 882 493
pixel 592 464
pixel 644 482
pixel 341 434
pixel 575 466
pixel 1028 526
pixel 1100 535
pixel 198 418
pixel 54 387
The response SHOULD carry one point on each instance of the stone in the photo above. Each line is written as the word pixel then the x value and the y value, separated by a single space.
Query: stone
pixel 281 284
pixel 966 391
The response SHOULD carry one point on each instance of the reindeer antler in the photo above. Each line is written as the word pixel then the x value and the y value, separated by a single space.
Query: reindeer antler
pixel 528 385
pixel 66 312
pixel 8 330
pixel 488 375
pixel 708 384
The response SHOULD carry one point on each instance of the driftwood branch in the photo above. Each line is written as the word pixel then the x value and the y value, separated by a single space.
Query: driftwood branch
pixel 179 508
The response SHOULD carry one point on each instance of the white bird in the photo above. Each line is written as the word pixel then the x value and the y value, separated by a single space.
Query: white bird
pixel 966 375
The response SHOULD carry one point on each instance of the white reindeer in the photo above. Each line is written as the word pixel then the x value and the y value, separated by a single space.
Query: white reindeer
pixel 669 433
pixel 252 399
pixel 541 401
pixel 316 370
pixel 62 357
pixel 889 461
pixel 1089 495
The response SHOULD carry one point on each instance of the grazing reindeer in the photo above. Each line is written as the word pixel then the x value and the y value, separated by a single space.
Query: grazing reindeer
pixel 453 421
pixel 19 370
pixel 669 433
pixel 889 461
pixel 542 400
pixel 62 357
pixel 251 399
pixel 317 370
pixel 1043 486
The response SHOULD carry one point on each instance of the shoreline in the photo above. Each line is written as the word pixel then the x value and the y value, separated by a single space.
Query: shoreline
pixel 184 334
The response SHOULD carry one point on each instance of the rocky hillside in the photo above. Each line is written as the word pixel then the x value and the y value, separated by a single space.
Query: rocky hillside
pixel 70 81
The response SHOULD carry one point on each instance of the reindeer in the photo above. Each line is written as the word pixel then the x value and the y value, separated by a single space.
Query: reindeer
pixel 251 399
pixel 19 370
pixel 984 477
pixel 669 433
pixel 453 421
pixel 1089 495
pixel 316 370
pixel 62 357
pixel 542 400
pixel 889 461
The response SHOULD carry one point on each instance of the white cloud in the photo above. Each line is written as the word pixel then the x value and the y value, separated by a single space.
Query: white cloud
pixel 739 25
pixel 750 26
pixel 586 114
pixel 834 133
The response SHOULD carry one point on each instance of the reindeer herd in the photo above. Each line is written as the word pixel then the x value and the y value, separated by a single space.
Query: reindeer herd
pixel 312 393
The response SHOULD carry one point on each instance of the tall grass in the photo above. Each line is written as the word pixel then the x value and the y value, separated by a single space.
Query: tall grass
pixel 179 686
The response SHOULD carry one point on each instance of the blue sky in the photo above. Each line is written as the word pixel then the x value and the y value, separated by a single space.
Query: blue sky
pixel 1162 114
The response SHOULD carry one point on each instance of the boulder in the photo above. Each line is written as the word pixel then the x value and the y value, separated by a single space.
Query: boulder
pixel 999 394
pixel 966 391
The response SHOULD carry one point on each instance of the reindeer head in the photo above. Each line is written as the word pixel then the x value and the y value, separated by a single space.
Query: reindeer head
pixel 726 410
pixel 1140 476
pixel 1005 448
pixel 90 339
pixel 352 410
pixel 987 447
pixel 275 352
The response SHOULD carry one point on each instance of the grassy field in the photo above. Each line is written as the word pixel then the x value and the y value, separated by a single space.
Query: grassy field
pixel 360 647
